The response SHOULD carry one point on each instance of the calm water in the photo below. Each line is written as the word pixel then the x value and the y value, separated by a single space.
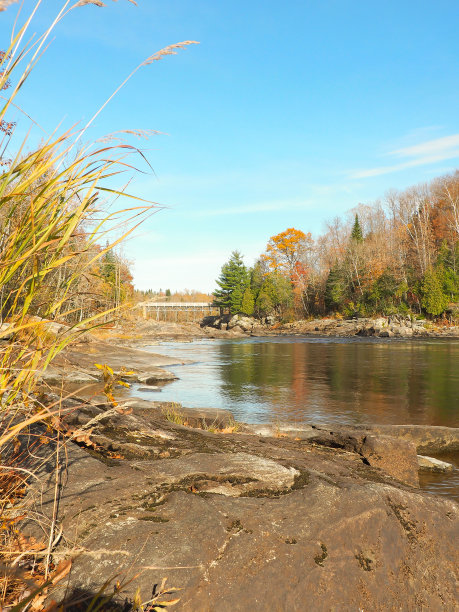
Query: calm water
pixel 319 380
pixel 356 380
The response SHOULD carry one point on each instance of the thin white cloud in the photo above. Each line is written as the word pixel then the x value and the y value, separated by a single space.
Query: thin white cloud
pixel 241 210
pixel 424 153
pixel 432 147
pixel 248 209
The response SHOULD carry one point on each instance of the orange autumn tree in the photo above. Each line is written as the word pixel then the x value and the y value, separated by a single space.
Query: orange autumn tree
pixel 287 254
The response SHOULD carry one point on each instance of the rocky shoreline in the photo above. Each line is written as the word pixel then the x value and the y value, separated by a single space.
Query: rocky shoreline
pixel 243 517
pixel 332 516
pixel 150 332
pixel 381 327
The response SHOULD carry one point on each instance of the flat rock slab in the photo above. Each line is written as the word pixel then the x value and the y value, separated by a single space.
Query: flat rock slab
pixel 430 464
pixel 230 474
pixel 53 377
pixel 247 522
pixel 426 438
pixel 148 367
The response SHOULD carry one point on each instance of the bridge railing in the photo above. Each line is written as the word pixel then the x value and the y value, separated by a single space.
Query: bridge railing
pixel 180 311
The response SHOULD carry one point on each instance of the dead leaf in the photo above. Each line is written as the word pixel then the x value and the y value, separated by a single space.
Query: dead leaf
pixel 61 571
pixel 122 410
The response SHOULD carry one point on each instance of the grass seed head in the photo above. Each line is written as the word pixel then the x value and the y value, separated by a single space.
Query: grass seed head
pixel 169 50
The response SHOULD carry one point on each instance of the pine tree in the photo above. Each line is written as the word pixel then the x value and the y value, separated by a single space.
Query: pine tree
pixel 236 299
pixel 357 234
pixel 232 283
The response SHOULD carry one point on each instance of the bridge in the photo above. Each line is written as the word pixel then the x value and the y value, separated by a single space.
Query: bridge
pixel 183 311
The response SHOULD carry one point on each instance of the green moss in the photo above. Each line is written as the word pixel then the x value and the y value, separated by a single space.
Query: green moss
pixel 87 530
pixel 301 480
pixel 402 515
pixel 319 559
pixel 236 526
pixel 84 510
pixel 151 506
pixel 364 562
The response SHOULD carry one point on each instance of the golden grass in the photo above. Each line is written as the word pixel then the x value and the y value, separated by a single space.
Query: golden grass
pixel 50 198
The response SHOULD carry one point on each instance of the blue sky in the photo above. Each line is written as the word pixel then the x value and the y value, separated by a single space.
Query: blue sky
pixel 286 114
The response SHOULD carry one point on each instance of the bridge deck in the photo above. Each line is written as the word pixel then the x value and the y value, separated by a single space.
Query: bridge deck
pixel 177 305
pixel 179 310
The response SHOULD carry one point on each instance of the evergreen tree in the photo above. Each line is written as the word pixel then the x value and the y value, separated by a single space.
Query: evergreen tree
pixel 248 302
pixel 335 289
pixel 434 300
pixel 280 290
pixel 108 266
pixel 446 271
pixel 264 305
pixel 232 282
pixel 275 294
pixel 236 299
pixel 357 234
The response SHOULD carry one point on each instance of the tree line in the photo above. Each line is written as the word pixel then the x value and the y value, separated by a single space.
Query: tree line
pixel 399 255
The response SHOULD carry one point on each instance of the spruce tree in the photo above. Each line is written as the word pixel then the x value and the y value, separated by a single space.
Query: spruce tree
pixel 232 283
pixel 357 234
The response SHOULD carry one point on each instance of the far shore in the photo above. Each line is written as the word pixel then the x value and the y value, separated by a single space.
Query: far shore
pixel 150 332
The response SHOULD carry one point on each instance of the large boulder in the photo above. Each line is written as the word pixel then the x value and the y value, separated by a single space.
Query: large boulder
pixel 394 456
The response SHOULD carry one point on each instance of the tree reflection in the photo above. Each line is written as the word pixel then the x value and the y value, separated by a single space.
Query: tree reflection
pixel 386 382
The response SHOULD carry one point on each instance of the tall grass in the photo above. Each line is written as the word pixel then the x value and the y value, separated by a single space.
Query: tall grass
pixel 50 196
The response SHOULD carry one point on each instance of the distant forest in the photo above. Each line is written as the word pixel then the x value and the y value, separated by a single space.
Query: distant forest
pixel 399 255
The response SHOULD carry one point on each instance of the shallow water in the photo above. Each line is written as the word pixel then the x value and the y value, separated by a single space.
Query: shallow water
pixel 321 380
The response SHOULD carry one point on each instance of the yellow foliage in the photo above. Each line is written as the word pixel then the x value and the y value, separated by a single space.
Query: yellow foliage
pixel 286 249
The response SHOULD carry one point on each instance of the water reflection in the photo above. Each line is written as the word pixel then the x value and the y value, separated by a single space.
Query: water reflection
pixel 303 379
pixel 406 382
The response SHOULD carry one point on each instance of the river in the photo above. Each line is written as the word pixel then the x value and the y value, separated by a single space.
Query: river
pixel 320 380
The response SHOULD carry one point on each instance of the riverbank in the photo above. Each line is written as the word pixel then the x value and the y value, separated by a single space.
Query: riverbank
pixel 382 327
pixel 148 332
pixel 329 515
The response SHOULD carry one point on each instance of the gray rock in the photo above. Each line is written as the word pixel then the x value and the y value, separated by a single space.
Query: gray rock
pixel 53 376
pixel 394 456
pixel 426 438
pixel 406 332
pixel 5 333
pixel 262 548
pixel 155 375
pixel 430 464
